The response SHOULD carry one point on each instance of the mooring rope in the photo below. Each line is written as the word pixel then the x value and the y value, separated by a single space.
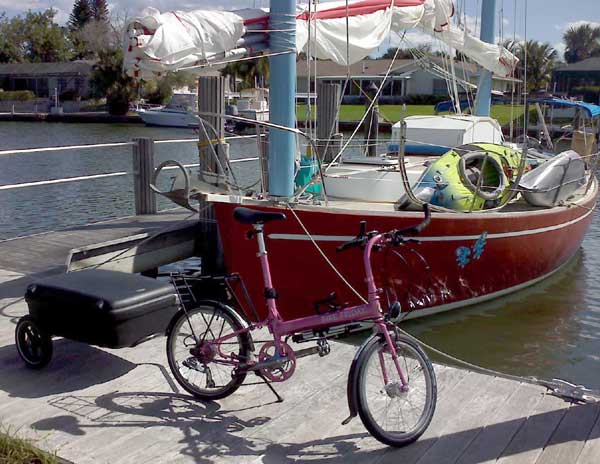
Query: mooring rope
pixel 556 386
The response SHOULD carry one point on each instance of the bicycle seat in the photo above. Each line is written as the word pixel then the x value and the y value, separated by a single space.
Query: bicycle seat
pixel 253 216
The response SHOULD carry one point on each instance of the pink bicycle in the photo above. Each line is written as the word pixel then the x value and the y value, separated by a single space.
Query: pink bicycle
pixel 391 383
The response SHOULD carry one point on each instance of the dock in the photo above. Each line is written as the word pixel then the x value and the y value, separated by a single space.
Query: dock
pixel 93 405
pixel 119 244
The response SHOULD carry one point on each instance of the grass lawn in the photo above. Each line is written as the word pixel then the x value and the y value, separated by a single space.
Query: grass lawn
pixel 14 450
pixel 394 112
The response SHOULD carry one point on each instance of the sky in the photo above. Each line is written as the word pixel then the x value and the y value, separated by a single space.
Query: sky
pixel 547 20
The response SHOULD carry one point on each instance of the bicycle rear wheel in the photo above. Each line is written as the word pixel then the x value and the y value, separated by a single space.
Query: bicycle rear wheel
pixel 198 366
pixel 394 414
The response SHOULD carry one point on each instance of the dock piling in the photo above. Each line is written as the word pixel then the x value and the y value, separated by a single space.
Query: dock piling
pixel 143 169
pixel 211 99
pixel 328 126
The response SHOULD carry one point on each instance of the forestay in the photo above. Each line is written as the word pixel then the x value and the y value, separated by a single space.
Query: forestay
pixel 344 32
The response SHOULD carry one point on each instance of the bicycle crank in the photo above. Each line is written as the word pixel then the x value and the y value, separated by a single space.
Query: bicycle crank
pixel 276 365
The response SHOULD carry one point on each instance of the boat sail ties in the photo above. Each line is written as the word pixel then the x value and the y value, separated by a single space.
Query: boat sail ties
pixel 557 387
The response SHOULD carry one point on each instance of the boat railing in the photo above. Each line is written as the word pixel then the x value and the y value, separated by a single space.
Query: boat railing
pixel 143 166
pixel 592 161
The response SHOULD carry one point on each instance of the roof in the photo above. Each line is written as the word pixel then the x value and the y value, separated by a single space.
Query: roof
pixel 45 69
pixel 369 68
pixel 591 64
pixel 591 110
pixel 363 68
pixel 447 122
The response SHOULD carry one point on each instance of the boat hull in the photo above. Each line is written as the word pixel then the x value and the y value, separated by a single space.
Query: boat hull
pixel 162 118
pixel 460 259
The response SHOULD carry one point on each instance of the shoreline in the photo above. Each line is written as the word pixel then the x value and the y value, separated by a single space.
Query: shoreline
pixel 96 117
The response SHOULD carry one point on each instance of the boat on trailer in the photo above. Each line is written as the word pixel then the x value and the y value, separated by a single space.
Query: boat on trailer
pixel 462 258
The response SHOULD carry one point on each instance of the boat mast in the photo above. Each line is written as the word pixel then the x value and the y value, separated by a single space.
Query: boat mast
pixel 282 98
pixel 488 34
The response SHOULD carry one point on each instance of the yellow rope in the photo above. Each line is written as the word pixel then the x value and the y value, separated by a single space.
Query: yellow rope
pixel 206 143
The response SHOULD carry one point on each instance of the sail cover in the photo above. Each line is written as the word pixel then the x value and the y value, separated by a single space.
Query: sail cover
pixel 344 32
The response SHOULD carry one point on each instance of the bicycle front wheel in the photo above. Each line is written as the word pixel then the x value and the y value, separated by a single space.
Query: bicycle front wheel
pixel 395 414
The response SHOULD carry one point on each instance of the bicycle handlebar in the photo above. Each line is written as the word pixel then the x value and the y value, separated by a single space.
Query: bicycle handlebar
pixel 352 243
pixel 396 234
pixel 414 230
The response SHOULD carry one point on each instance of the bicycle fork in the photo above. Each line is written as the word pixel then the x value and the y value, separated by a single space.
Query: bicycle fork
pixel 390 388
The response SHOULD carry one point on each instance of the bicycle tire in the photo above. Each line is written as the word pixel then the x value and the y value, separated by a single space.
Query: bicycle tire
pixel 404 345
pixel 183 319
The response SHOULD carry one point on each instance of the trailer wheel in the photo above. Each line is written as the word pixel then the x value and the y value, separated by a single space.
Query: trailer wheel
pixel 33 343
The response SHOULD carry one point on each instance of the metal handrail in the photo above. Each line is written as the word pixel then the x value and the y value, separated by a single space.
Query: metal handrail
pixel 21 151
pixel 65 180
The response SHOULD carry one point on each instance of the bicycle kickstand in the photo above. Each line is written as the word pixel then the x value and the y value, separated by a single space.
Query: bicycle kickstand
pixel 266 381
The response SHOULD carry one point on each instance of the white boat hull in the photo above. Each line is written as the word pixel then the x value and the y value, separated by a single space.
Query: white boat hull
pixel 166 118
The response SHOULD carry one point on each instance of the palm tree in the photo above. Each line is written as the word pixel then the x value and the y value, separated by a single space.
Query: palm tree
pixel 248 71
pixel 541 58
pixel 582 42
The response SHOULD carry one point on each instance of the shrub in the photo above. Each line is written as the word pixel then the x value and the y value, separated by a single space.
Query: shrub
pixel 425 99
pixel 590 94
pixel 69 95
pixel 18 95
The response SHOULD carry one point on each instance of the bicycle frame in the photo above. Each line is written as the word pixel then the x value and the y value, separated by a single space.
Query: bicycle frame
pixel 280 328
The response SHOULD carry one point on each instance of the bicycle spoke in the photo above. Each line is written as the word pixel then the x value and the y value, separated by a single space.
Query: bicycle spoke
pixel 395 412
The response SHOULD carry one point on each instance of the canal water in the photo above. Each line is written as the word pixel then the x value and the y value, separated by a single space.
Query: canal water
pixel 549 330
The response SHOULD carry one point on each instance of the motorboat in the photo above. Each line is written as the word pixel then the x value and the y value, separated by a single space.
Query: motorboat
pixel 178 113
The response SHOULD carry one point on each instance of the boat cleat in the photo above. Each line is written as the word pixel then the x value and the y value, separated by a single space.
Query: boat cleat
pixel 570 391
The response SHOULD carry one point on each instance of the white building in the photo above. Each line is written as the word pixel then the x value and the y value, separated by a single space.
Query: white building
pixel 406 78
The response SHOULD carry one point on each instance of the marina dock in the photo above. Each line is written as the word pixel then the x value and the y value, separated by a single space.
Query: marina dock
pixel 93 405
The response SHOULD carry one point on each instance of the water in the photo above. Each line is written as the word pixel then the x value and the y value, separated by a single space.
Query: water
pixel 33 210
pixel 549 330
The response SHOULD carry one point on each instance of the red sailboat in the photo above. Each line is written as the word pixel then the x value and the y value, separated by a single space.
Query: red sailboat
pixel 462 258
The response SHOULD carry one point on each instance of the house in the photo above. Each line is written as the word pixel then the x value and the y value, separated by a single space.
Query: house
pixel 42 78
pixel 406 78
pixel 569 79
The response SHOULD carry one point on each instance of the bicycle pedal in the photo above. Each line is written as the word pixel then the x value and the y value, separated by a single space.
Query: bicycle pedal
pixel 192 363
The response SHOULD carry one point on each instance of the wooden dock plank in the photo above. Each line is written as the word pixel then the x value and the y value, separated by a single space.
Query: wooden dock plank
pixel 450 407
pixel 528 443
pixel 464 427
pixel 591 450
pixel 569 438
pixel 44 252
pixel 493 439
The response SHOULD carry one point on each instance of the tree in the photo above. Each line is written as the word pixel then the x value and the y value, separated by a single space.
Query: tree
pixel 34 37
pixel 405 53
pixel 111 82
pixel 248 71
pixel 10 43
pixel 160 91
pixel 541 59
pixel 94 37
pixel 81 14
pixel 581 42
pixel 100 10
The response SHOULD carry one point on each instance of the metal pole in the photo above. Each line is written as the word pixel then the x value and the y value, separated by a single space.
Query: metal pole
pixel 488 34
pixel 143 170
pixel 282 99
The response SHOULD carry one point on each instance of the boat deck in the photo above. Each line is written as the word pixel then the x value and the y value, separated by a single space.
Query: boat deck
pixel 516 206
